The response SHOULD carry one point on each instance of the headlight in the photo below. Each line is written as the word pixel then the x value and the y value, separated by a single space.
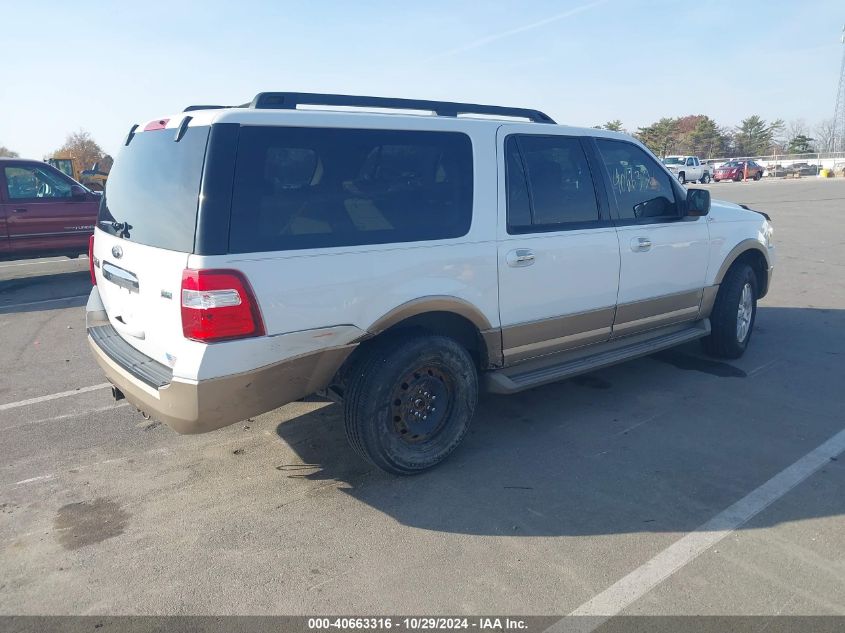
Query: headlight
pixel 768 230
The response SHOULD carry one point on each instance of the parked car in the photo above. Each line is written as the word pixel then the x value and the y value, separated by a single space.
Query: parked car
pixel 399 264
pixel 688 168
pixel 736 170
pixel 43 211
pixel 804 169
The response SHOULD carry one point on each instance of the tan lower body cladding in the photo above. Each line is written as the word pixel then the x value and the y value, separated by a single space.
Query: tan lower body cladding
pixel 538 338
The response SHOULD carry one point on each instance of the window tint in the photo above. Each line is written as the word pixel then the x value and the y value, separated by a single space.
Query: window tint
pixel 641 187
pixel 519 206
pixel 35 182
pixel 153 189
pixel 560 188
pixel 301 188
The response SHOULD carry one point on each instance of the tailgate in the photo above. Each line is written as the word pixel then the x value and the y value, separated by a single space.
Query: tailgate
pixel 140 289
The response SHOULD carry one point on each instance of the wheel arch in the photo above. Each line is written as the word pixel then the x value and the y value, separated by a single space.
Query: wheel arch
pixel 438 315
pixel 754 254
pixel 447 316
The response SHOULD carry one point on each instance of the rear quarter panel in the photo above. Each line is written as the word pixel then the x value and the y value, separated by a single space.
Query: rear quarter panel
pixel 356 286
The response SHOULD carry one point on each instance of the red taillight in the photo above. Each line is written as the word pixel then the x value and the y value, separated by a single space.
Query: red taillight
pixel 218 305
pixel 91 260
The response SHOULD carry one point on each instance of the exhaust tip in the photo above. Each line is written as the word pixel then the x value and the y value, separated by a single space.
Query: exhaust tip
pixel 117 394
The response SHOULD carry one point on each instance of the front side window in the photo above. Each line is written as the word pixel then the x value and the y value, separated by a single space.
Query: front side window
pixel 549 183
pixel 641 187
pixel 298 188
pixel 34 182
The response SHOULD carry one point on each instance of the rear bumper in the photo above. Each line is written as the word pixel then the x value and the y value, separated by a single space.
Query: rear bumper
pixel 205 405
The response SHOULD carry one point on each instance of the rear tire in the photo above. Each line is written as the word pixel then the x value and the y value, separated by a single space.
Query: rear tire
pixel 734 313
pixel 705 179
pixel 758 175
pixel 410 402
pixel 682 178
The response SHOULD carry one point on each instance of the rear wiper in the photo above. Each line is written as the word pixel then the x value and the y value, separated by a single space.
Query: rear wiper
pixel 121 228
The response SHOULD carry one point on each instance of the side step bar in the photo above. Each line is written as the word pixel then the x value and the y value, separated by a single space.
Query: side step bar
pixel 552 368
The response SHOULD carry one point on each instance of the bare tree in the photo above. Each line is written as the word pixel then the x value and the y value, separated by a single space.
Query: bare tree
pixel 824 135
pixel 5 152
pixel 82 148
pixel 795 129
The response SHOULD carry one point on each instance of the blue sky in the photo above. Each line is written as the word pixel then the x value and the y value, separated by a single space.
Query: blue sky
pixel 105 65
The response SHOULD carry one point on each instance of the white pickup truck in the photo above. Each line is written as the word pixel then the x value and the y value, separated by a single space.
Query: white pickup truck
pixel 688 168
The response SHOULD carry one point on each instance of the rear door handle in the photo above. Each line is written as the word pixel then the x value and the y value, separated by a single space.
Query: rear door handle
pixel 640 244
pixel 520 257
pixel 18 210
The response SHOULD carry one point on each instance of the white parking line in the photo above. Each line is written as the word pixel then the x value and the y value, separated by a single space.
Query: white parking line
pixel 639 582
pixel 66 416
pixel 37 262
pixel 52 396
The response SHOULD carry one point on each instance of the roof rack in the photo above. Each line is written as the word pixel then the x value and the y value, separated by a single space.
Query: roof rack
pixel 191 108
pixel 290 100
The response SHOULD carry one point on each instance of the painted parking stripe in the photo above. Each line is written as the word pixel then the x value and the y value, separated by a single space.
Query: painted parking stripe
pixel 44 303
pixel 37 262
pixel 639 582
pixel 52 396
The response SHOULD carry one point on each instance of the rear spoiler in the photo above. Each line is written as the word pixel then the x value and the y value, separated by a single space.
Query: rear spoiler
pixel 747 208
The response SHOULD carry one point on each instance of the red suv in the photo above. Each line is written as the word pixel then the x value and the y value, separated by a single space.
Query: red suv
pixel 735 170
pixel 43 211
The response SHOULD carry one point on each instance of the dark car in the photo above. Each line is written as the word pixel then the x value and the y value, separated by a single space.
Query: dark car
pixel 736 170
pixel 43 211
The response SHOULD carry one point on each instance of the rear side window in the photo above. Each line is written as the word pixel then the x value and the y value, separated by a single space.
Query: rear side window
pixel 153 189
pixel 298 188
pixel 549 184
pixel 641 187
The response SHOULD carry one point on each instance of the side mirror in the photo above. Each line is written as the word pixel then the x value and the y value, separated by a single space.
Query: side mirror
pixel 698 202
pixel 78 192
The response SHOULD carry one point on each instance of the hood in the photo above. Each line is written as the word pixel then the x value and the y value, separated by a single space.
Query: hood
pixel 732 212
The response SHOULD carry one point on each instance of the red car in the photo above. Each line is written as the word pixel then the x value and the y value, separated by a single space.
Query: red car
pixel 735 170
pixel 43 211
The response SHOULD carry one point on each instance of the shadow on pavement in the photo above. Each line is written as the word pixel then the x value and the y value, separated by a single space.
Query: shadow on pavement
pixel 640 447
pixel 44 292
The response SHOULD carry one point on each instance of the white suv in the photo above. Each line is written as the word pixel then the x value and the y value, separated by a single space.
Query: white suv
pixel 246 257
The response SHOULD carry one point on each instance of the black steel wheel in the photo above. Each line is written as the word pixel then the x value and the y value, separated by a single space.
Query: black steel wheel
pixel 410 402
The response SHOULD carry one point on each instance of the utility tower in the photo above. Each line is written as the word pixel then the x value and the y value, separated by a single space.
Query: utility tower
pixel 839 115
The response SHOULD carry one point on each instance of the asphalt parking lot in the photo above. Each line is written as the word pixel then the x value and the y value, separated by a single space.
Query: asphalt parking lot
pixel 558 495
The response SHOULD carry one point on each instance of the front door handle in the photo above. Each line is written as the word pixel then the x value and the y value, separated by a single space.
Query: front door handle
pixel 520 257
pixel 18 210
pixel 640 244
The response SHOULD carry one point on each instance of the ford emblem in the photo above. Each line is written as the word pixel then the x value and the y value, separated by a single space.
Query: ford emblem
pixel 117 252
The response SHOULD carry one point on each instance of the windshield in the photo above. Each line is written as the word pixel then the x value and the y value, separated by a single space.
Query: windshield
pixel 733 163
pixel 673 160
pixel 153 189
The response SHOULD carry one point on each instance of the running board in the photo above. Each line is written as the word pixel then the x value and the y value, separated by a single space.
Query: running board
pixel 552 368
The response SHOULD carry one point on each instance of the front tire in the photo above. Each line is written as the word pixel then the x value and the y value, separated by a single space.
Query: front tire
pixel 734 313
pixel 739 177
pixel 410 402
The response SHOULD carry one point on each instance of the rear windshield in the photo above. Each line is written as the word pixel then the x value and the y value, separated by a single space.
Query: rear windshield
pixel 153 189
pixel 298 188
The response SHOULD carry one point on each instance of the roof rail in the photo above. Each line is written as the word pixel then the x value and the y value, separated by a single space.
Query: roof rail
pixel 191 108
pixel 290 100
